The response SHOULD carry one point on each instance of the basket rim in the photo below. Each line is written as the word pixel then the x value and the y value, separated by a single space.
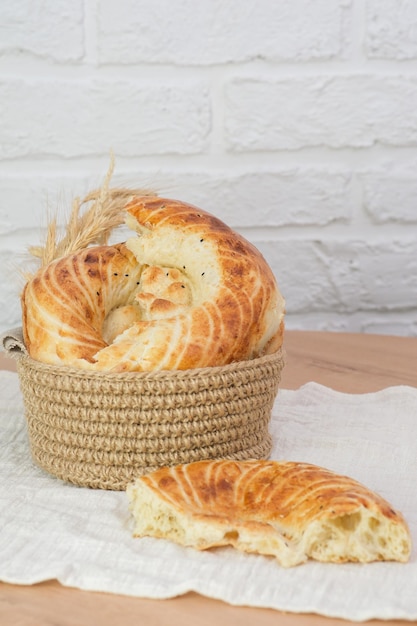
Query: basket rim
pixel 78 373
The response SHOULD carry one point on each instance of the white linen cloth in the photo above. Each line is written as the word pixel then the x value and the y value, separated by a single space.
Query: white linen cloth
pixel 83 537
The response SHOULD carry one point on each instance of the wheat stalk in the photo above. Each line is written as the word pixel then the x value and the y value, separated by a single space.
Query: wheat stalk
pixel 93 226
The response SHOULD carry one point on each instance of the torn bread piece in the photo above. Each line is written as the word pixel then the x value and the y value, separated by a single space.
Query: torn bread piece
pixel 292 511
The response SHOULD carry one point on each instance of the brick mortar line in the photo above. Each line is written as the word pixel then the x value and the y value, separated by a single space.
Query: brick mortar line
pixel 345 159
pixel 25 65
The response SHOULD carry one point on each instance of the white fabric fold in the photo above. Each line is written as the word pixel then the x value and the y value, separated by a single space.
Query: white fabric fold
pixel 83 537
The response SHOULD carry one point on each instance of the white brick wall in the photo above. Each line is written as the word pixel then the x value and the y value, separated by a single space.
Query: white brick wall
pixel 355 111
pixel 51 30
pixel 214 31
pixel 294 121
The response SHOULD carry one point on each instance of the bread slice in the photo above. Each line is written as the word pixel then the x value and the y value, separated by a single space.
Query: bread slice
pixel 292 511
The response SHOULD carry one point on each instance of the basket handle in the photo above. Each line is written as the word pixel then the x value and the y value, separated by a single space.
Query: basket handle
pixel 13 343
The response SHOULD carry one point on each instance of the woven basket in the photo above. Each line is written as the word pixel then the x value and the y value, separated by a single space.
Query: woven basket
pixel 100 430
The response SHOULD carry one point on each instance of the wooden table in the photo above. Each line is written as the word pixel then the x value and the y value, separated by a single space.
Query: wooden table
pixel 350 363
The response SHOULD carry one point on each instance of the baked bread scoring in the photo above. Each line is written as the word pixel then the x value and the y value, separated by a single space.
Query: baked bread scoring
pixel 292 511
pixel 187 291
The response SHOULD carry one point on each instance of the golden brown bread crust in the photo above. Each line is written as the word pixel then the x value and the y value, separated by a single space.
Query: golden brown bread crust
pixel 65 304
pixel 187 292
pixel 290 510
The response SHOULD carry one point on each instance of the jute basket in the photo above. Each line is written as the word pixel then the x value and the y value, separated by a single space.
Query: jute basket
pixel 100 430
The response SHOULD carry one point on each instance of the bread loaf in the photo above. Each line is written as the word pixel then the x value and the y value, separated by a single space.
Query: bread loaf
pixel 186 291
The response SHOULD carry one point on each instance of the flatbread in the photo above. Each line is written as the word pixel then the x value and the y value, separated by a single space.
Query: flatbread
pixel 292 511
